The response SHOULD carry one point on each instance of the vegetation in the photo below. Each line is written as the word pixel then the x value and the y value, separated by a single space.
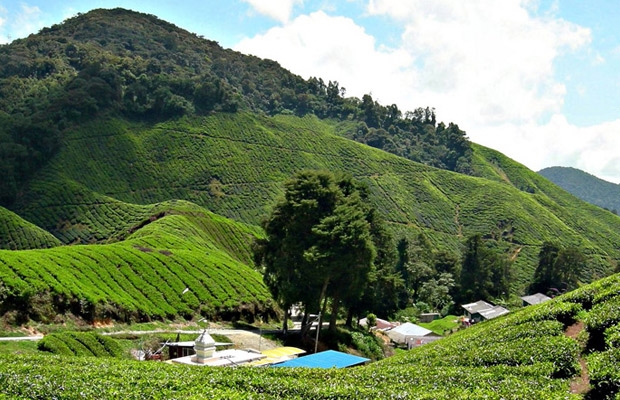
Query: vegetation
pixel 111 114
pixel 107 117
pixel 80 344
pixel 18 234
pixel 523 355
pixel 585 186
pixel 132 65
pixel 143 277
pixel 319 244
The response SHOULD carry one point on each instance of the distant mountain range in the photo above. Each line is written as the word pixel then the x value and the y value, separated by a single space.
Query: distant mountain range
pixel 585 186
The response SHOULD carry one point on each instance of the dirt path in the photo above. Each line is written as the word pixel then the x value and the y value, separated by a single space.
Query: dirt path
pixel 581 383
pixel 241 339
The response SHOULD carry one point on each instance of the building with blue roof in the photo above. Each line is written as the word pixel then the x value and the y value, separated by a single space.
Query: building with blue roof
pixel 325 359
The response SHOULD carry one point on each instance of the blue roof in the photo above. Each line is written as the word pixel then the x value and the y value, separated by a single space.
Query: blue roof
pixel 325 359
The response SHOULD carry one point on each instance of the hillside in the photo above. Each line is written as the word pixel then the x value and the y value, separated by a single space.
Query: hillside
pixel 567 348
pixel 133 65
pixel 19 234
pixel 152 155
pixel 585 186
pixel 234 165
pixel 177 246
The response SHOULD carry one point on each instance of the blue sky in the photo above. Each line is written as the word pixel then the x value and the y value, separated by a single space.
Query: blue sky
pixel 538 80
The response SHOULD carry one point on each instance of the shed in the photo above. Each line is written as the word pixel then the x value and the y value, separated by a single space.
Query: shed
pixel 406 330
pixel 493 312
pixel 429 317
pixel 472 310
pixel 325 359
pixel 534 299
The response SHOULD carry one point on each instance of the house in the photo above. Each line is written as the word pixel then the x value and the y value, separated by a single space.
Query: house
pixel 534 299
pixel 403 333
pixel 325 359
pixel 493 312
pixel 429 317
pixel 180 349
pixel 482 311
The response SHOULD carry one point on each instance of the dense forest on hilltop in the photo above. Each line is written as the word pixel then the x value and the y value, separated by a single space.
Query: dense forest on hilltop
pixel 123 63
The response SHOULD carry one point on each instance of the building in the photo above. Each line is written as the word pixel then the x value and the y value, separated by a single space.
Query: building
pixel 408 332
pixel 207 355
pixel 534 299
pixel 325 359
pixel 482 311
pixel 429 317
pixel 380 325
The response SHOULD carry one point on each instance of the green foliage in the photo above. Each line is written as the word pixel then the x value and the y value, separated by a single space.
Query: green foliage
pixel 522 355
pixel 19 234
pixel 604 374
pixel 123 63
pixel 558 269
pixel 443 325
pixel 318 242
pixel 484 273
pixel 367 344
pixel 80 344
pixel 145 275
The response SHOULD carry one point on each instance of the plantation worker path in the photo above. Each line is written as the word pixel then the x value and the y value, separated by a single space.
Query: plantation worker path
pixel 240 338
pixel 579 384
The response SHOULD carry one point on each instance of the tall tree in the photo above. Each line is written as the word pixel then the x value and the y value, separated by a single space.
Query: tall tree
pixel 318 235
pixel 558 269
pixel 484 272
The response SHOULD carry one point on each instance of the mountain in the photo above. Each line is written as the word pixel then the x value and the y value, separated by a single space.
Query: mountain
pixel 152 155
pixel 585 186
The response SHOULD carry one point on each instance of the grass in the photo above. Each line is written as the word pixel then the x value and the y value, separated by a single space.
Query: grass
pixel 443 325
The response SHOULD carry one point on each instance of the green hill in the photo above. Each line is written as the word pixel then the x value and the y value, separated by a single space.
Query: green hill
pixel 19 234
pixel 180 246
pixel 124 113
pixel 585 186
pixel 567 348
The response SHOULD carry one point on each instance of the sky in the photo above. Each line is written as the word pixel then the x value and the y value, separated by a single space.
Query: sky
pixel 538 80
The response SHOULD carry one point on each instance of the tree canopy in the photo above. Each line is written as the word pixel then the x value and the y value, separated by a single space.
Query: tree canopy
pixel 319 243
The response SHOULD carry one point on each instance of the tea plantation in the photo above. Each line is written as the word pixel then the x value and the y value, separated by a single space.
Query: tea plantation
pixel 523 355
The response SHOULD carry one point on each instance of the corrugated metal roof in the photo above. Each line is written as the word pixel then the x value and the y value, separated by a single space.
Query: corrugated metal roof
pixel 493 312
pixel 478 306
pixel 325 359
pixel 409 329
pixel 535 298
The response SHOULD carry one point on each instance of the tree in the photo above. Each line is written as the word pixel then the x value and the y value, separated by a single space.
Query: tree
pixel 436 292
pixel 318 242
pixel 558 268
pixel 484 273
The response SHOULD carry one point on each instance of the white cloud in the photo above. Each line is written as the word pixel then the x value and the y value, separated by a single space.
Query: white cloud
pixel 333 48
pixel 487 65
pixel 485 61
pixel 280 10
pixel 592 149
pixel 3 36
